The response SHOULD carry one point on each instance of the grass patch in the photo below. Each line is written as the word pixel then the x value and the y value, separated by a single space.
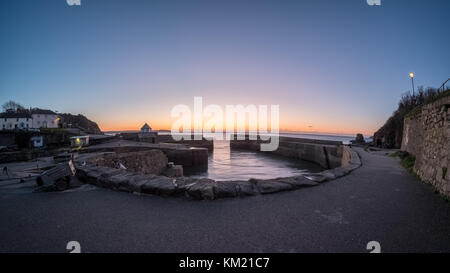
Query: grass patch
pixel 415 112
pixel 52 130
pixel 408 161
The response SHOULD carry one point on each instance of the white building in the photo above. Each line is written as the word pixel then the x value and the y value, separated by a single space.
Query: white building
pixel 33 119
pixel 147 134
pixel 15 120
pixel 44 118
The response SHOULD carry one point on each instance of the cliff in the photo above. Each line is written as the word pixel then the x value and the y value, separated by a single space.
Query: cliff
pixel 390 135
pixel 81 122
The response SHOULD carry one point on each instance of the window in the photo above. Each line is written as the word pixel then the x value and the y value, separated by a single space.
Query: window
pixel 17 119
pixel 5 119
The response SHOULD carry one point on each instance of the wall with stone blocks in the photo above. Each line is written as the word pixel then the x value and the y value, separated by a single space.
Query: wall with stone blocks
pixel 426 135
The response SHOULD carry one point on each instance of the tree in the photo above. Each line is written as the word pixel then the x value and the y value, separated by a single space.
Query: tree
pixel 12 105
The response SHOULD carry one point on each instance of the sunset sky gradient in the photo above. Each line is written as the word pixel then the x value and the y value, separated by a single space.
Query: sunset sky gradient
pixel 332 66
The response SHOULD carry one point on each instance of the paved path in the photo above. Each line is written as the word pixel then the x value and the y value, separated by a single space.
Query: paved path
pixel 378 201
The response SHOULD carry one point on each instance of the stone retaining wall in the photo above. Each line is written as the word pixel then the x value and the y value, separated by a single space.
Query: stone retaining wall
pixel 143 162
pixel 327 154
pixel 426 135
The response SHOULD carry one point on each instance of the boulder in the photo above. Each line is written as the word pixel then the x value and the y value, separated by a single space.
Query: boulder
pixel 119 181
pixel 159 185
pixel 359 139
pixel 135 184
pixel 272 185
pixel 173 171
pixel 298 181
pixel 246 188
pixel 225 189
pixel 202 189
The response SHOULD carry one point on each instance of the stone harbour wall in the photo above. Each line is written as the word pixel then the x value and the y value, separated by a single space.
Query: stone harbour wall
pixel 203 188
pixel 142 162
pixel 327 154
pixel 426 135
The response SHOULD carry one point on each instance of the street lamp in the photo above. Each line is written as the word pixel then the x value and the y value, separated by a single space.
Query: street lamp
pixel 412 81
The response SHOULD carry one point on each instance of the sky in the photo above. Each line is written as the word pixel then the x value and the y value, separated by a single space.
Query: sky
pixel 331 66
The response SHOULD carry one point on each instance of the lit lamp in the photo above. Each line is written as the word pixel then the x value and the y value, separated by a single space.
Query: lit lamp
pixel 412 81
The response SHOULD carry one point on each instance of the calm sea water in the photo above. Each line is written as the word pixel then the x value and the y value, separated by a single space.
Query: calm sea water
pixel 225 164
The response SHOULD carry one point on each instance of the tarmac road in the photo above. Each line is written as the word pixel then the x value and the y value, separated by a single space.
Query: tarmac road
pixel 378 202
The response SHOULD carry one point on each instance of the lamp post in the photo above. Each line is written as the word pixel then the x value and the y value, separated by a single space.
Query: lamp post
pixel 412 81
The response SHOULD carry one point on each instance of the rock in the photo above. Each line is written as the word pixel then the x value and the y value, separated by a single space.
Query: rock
pixel 173 171
pixel 143 162
pixel 135 184
pixel 93 177
pixel 298 181
pixel 316 177
pixel 225 189
pixel 202 189
pixel 359 139
pixel 246 188
pixel 119 181
pixel 271 186
pixel 159 185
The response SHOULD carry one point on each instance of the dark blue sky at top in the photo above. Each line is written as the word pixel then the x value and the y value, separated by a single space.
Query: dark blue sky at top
pixel 135 58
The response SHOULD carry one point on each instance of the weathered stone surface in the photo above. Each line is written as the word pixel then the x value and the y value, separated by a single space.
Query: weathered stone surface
pixel 298 181
pixel 173 171
pixel 273 185
pixel 119 181
pixel 144 162
pixel 225 189
pixel 202 189
pixel 159 185
pixel 135 184
pixel 426 135
pixel 246 188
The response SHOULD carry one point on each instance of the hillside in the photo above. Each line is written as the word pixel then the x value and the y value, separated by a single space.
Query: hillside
pixel 81 122
pixel 391 133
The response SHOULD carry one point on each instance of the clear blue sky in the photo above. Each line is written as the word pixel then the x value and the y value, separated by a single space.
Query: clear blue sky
pixel 337 66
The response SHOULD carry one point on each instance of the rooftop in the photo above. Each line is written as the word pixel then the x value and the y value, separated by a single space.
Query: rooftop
pixel 146 127
pixel 42 111
pixel 24 114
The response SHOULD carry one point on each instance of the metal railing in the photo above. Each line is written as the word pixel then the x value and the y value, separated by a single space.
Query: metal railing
pixel 443 86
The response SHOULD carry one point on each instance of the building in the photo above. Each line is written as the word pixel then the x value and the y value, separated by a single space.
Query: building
pixel 28 119
pixel 146 128
pixel 43 118
pixel 147 135
pixel 79 141
pixel 11 120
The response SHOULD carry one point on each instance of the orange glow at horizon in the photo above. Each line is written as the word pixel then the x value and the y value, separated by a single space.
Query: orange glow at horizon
pixel 284 127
